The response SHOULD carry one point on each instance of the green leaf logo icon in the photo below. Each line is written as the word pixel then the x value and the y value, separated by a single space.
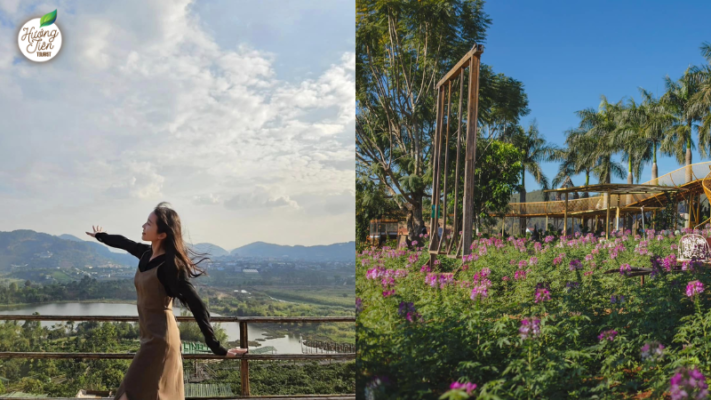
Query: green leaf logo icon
pixel 48 19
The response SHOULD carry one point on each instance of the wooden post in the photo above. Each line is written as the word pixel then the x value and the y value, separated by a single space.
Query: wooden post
pixel 546 228
pixel 565 216
pixel 443 239
pixel 617 214
pixel 244 364
pixel 607 221
pixel 470 159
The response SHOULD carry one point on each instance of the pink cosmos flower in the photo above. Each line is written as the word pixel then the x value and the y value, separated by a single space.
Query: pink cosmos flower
pixel 529 328
pixel 688 383
pixel 468 387
pixel 542 295
pixel 625 269
pixel 479 290
pixel 609 335
pixel 694 288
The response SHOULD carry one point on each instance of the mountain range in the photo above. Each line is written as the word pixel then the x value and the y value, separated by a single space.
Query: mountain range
pixel 42 250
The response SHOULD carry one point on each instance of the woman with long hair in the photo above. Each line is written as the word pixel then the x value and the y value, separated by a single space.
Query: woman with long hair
pixel 164 269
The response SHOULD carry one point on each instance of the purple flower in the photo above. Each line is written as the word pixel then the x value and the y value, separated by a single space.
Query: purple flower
pixel 542 295
pixel 688 384
pixel 572 285
pixel 617 299
pixel 408 311
pixel 609 335
pixel 359 304
pixel 625 269
pixel 479 290
pixel 522 264
pixel 575 264
pixel 693 288
pixel 468 387
pixel 652 351
pixel 529 328
pixel 388 293
pixel 520 275
pixel 405 308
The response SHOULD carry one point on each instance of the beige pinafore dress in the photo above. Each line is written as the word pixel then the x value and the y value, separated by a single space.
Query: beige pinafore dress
pixel 156 372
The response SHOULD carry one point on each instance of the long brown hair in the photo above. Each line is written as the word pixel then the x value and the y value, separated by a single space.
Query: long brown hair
pixel 174 246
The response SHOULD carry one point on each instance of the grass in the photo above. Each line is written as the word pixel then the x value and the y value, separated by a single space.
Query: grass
pixel 342 297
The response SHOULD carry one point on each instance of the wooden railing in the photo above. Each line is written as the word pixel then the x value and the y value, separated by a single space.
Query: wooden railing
pixel 243 339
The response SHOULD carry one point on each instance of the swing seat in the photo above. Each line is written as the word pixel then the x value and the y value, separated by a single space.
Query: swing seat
pixel 693 246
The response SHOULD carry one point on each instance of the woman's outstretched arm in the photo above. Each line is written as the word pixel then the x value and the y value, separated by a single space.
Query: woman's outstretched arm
pixel 121 242
pixel 183 289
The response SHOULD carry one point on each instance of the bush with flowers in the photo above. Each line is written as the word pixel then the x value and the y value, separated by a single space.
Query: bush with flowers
pixel 521 319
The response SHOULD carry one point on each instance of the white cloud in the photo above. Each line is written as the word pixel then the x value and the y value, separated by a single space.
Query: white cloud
pixel 142 105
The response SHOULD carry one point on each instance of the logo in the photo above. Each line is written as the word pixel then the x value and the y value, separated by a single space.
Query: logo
pixel 40 39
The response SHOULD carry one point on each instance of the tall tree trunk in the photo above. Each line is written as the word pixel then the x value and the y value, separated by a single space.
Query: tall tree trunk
pixel 629 168
pixel 587 182
pixel 522 199
pixel 415 222
pixel 688 175
pixel 654 165
pixel 688 155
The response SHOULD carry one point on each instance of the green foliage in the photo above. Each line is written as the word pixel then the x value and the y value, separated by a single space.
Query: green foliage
pixel 498 175
pixel 459 339
pixel 668 217
pixel 371 203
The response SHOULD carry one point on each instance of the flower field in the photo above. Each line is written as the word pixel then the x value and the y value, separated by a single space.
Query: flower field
pixel 517 319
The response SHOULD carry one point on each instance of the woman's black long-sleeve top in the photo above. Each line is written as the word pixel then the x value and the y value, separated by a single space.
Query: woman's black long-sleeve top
pixel 175 286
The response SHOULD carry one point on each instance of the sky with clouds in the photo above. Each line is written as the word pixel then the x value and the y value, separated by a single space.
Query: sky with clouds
pixel 239 113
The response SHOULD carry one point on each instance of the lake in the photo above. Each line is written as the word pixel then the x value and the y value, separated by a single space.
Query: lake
pixel 284 345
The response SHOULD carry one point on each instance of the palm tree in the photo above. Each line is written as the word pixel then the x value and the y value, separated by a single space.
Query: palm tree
pixel 535 150
pixel 599 126
pixel 640 129
pixel 577 157
pixel 677 100
pixel 701 100
pixel 655 123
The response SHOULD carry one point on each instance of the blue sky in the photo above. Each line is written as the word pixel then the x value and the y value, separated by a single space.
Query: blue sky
pixel 568 53
pixel 306 35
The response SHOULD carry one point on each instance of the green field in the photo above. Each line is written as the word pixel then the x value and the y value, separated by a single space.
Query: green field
pixel 342 297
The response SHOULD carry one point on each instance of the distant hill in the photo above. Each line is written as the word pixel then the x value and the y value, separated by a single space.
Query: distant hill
pixel 211 249
pixel 43 250
pixel 337 251
pixel 70 237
